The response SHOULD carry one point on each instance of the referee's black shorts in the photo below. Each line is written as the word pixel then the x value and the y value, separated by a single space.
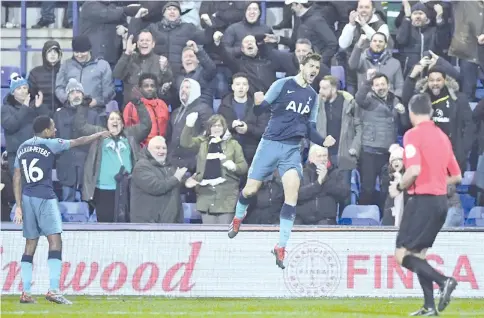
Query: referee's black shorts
pixel 423 218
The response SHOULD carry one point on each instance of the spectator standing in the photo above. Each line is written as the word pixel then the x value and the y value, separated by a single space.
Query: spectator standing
pixel 468 42
pixel 363 20
pixel 110 160
pixel 42 78
pixel 259 63
pixel 339 124
pixel 190 103
pixel 452 112
pixel 322 187
pixel 47 15
pixel 157 108
pixel 70 163
pixel 93 73
pixel 302 48
pixel 139 58
pixel 19 110
pixel 310 24
pixel 250 25
pixel 155 186
pixel 199 66
pixel 393 211
pixel 416 34
pixel 376 57
pixel 237 109
pixel 220 164
pixel 217 16
pixel 382 115
pixel 170 34
pixel 98 21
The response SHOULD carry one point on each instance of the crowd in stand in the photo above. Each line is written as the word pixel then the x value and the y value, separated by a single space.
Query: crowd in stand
pixel 171 144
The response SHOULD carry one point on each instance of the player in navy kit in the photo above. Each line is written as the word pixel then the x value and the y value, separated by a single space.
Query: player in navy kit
pixel 293 104
pixel 37 205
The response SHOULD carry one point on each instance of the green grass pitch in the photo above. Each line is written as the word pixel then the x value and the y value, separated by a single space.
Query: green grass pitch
pixel 98 307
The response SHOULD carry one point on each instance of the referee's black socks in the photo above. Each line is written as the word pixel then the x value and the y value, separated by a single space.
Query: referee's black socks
pixel 428 291
pixel 421 267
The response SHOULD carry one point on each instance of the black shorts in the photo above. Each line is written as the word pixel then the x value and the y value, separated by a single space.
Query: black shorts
pixel 423 218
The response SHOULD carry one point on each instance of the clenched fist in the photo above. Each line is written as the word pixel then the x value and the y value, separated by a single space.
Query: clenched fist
pixel 258 98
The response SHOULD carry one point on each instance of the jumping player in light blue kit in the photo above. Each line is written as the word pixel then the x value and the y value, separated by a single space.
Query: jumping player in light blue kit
pixel 293 104
pixel 37 205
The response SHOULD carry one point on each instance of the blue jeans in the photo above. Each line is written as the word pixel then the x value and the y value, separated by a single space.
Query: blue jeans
pixel 221 81
pixel 470 80
pixel 455 217
pixel 68 194
pixel 47 11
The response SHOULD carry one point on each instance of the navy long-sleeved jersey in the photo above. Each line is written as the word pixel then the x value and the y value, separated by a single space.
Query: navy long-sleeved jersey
pixel 294 111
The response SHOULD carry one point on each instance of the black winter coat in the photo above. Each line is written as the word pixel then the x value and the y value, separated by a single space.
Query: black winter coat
pixel 256 125
pixel 318 201
pixel 42 78
pixel 313 26
pixel 70 163
pixel 17 120
pixel 169 41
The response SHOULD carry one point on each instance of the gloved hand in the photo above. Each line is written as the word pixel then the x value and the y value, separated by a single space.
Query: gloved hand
pixel 230 165
pixel 191 119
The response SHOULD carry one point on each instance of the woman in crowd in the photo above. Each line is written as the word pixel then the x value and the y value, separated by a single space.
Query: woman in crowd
pixel 110 161
pixel 220 164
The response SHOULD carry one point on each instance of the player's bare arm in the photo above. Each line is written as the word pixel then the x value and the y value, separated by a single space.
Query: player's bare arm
pixel 17 191
pixel 409 176
pixel 88 139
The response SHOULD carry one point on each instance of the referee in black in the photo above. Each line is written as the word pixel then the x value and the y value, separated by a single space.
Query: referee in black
pixel 430 166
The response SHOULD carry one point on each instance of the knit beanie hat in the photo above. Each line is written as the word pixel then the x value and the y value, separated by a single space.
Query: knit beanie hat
pixel 16 81
pixel 396 152
pixel 81 43
pixel 74 85
pixel 171 4
pixel 419 6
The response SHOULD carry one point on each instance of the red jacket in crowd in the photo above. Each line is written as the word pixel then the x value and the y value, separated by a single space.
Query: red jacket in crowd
pixel 159 115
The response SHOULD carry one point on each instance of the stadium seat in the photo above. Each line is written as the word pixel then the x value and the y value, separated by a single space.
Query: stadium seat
pixel 216 105
pixel 467 202
pixel 190 212
pixel 6 71
pixel 355 186
pixel 118 85
pixel 5 92
pixel 339 73
pixel 475 217
pixel 112 106
pixel 466 182
pixel 366 215
pixel 74 211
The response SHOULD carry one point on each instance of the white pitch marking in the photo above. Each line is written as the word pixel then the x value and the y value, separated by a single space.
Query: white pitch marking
pixel 215 313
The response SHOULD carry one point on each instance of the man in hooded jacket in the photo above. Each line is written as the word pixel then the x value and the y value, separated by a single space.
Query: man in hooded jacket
pixel 190 103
